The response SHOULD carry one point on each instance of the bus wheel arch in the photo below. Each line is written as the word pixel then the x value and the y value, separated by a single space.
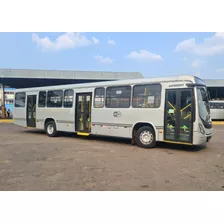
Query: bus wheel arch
pixel 50 127
pixel 148 131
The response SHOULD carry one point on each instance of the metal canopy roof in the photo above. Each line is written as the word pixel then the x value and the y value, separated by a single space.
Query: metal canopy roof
pixel 22 78
pixel 214 82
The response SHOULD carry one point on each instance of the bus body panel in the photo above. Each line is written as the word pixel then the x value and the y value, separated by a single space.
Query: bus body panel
pixel 104 122
pixel 217 109
pixel 117 122
pixel 217 114
pixel 20 113
pixel 63 117
pixel 200 137
pixel 19 117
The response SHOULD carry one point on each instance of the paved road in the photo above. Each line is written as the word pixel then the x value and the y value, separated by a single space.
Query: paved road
pixel 29 160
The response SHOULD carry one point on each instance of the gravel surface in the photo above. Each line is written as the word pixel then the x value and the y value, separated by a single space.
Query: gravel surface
pixel 29 160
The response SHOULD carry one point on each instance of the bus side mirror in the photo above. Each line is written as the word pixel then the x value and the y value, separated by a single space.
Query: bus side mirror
pixel 209 97
pixel 204 96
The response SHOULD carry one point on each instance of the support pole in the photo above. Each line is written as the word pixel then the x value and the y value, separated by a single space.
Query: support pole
pixel 3 102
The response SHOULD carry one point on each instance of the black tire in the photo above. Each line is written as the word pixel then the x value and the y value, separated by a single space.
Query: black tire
pixel 150 140
pixel 51 129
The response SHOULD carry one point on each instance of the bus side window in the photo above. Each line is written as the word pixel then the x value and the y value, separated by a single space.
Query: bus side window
pixel 20 99
pixel 54 98
pixel 68 98
pixel 42 99
pixel 146 96
pixel 118 97
pixel 99 97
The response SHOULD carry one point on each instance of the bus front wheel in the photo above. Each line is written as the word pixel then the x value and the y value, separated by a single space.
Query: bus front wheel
pixel 50 129
pixel 145 137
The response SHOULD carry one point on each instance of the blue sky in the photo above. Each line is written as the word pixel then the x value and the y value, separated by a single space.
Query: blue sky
pixel 152 54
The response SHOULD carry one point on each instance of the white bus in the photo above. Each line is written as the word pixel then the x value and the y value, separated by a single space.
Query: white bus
pixel 216 92
pixel 167 109
pixel 217 109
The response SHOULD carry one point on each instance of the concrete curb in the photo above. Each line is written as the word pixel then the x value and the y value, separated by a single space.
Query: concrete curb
pixel 218 122
pixel 6 121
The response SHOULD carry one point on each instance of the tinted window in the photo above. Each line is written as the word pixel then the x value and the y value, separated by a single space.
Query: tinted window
pixel 216 93
pixel 54 98
pixel 199 81
pixel 20 99
pixel 213 105
pixel 68 98
pixel 99 97
pixel 146 96
pixel 42 99
pixel 221 106
pixel 217 105
pixel 118 97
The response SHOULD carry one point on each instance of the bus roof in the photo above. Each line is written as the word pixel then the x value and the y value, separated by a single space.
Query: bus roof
pixel 184 78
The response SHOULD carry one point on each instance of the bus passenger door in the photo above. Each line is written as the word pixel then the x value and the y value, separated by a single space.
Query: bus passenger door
pixel 31 111
pixel 83 112
pixel 179 111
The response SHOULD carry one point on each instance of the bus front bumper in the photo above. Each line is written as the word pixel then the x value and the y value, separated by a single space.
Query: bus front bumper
pixel 208 138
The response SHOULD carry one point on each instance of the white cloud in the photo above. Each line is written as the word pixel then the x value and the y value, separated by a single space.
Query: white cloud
pixel 111 42
pixel 209 47
pixel 63 42
pixel 197 63
pixel 104 60
pixel 95 40
pixel 220 70
pixel 144 55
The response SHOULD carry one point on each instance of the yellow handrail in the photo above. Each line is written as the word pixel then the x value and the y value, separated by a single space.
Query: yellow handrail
pixel 185 107
pixel 187 116
pixel 171 105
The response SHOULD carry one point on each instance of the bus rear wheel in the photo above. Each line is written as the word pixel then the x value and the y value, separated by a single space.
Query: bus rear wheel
pixel 50 129
pixel 145 137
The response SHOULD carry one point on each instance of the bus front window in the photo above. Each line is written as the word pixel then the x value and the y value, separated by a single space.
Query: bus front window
pixel 203 104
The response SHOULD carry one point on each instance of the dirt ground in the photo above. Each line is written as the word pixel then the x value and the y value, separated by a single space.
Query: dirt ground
pixel 29 160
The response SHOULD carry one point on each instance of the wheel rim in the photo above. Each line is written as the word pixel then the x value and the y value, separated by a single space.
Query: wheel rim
pixel 50 129
pixel 146 137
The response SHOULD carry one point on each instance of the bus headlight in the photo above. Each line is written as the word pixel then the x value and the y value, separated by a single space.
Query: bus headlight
pixel 201 129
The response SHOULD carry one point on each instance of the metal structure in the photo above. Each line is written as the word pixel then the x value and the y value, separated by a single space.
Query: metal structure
pixel 3 112
pixel 25 78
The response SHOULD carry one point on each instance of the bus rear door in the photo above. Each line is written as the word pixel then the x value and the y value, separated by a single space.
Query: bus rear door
pixel 83 113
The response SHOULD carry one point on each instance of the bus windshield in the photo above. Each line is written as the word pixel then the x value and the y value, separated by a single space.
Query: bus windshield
pixel 203 104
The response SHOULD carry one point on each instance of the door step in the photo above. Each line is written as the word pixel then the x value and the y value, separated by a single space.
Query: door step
pixel 83 133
